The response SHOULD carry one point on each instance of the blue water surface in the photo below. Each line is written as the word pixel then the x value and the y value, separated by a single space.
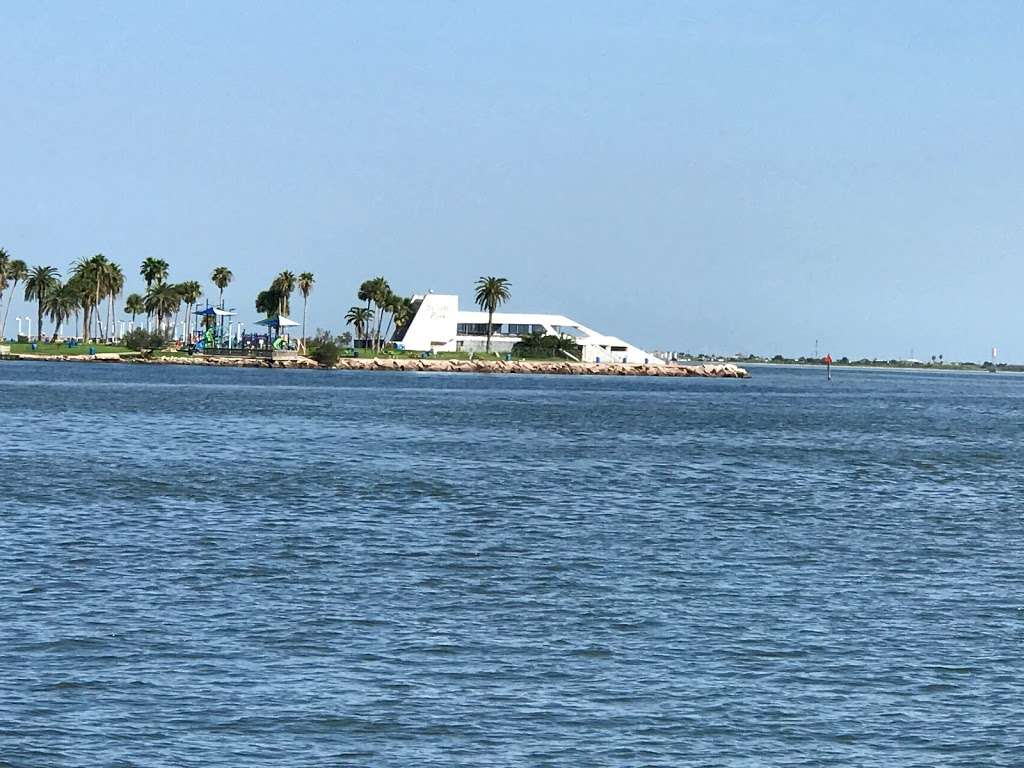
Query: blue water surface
pixel 223 567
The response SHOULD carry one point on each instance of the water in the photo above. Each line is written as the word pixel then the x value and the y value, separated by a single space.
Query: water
pixel 204 567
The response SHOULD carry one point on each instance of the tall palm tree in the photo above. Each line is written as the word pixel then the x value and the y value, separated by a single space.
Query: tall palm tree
pixel 17 272
pixel 113 285
pixel 81 286
pixel 41 280
pixel 222 277
pixel 284 283
pixel 99 272
pixel 5 263
pixel 360 319
pixel 86 274
pixel 134 305
pixel 190 292
pixel 366 291
pixel 380 293
pixel 60 302
pixel 491 293
pixel 306 281
pixel 162 300
pixel 154 271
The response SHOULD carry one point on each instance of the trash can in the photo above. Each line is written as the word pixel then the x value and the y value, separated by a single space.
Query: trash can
pixel 508 357
pixel 34 346
pixel 92 350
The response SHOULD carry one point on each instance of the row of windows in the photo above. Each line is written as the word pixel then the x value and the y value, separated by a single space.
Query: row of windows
pixel 512 329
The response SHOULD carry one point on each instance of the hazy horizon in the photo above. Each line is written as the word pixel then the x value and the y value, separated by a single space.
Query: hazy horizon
pixel 729 177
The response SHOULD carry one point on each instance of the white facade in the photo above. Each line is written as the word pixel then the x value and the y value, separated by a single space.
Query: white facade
pixel 438 325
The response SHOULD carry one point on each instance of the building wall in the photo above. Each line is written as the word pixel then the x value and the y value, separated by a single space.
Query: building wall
pixel 433 327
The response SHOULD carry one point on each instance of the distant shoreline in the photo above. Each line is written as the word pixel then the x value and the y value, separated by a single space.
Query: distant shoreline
pixel 972 368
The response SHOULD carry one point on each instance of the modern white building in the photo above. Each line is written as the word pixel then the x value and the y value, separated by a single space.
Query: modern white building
pixel 439 325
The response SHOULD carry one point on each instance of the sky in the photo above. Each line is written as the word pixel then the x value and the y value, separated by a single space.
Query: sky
pixel 711 177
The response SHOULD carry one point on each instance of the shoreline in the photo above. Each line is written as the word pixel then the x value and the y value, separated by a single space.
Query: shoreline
pixel 415 365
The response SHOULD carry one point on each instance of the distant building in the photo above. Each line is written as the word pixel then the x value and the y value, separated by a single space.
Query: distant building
pixel 439 325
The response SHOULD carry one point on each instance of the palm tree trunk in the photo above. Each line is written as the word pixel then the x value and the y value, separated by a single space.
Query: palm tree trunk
pixel 111 331
pixel 86 319
pixel 39 329
pixel 10 300
pixel 490 317
pixel 304 301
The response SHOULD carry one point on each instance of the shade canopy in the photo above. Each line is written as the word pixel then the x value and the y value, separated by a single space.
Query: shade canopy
pixel 278 321
pixel 215 312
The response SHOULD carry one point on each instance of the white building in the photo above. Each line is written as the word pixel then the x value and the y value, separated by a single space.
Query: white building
pixel 439 325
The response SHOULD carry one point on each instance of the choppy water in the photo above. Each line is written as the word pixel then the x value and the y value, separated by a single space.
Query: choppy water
pixel 206 567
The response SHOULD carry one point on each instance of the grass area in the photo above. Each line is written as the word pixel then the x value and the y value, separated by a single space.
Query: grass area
pixel 18 348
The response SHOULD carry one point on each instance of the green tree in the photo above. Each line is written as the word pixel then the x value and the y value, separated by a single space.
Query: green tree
pixel 154 271
pixel 222 277
pixel 269 302
pixel 379 292
pixel 491 293
pixel 360 319
pixel 162 301
pixel 17 272
pixel 134 305
pixel 284 284
pixel 60 303
pixel 41 280
pixel 146 342
pixel 190 292
pixel 86 274
pixel 113 285
pixel 5 263
pixel 305 282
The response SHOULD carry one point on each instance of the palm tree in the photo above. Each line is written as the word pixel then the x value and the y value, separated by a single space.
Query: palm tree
pixel 162 300
pixel 285 285
pixel 113 285
pixel 134 305
pixel 17 271
pixel 85 274
pixel 154 271
pixel 359 318
pixel 41 280
pixel 60 302
pixel 379 292
pixel 5 263
pixel 222 277
pixel 99 272
pixel 190 292
pixel 366 291
pixel 491 292
pixel 306 281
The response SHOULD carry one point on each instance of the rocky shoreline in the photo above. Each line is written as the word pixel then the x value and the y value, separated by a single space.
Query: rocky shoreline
pixel 705 370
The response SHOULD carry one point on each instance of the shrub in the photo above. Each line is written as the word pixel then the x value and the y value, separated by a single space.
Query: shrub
pixel 146 342
pixel 326 353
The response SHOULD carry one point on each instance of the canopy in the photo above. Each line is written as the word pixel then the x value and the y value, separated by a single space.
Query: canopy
pixel 215 312
pixel 278 321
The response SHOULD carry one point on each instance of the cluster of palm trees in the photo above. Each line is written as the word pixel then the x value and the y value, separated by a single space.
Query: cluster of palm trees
pixel 277 299
pixel 368 321
pixel 94 281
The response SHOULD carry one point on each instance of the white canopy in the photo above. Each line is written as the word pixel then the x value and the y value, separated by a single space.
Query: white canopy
pixel 278 321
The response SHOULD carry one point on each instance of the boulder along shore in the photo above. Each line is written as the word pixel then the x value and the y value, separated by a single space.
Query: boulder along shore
pixel 567 368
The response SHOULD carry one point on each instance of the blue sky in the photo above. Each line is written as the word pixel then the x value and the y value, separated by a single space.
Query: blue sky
pixel 734 177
